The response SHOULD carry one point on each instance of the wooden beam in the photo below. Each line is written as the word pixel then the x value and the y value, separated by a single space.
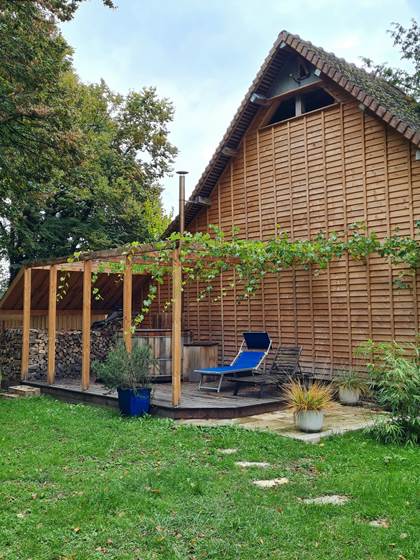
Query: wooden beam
pixel 86 321
pixel 52 324
pixel 26 322
pixel 127 305
pixel 176 328
pixel 259 99
pixel 229 152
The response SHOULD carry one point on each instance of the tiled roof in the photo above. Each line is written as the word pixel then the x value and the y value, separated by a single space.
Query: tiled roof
pixel 383 99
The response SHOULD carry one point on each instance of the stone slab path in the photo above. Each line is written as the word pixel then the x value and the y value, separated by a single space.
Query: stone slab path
pixel 338 419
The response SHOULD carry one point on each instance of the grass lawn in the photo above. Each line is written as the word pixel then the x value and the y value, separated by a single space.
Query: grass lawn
pixel 78 482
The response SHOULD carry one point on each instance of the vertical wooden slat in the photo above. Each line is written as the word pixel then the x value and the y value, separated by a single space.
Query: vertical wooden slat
pixel 388 232
pixel 326 225
pixel 52 323
pixel 232 211
pixel 308 219
pixel 412 233
pixel 127 305
pixel 86 322
pixel 219 210
pixel 260 202
pixel 345 225
pixel 292 231
pixel 246 221
pixel 276 226
pixel 366 219
pixel 26 322
pixel 176 328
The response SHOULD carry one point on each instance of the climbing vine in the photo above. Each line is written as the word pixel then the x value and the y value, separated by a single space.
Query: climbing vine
pixel 205 256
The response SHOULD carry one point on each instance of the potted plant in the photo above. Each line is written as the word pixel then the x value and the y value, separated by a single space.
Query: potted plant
pixel 129 373
pixel 350 386
pixel 308 404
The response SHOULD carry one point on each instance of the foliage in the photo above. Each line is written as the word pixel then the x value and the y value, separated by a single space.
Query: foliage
pixel 408 42
pixel 126 370
pixel 94 486
pixel 80 164
pixel 317 397
pixel 395 373
pixel 207 255
pixel 351 380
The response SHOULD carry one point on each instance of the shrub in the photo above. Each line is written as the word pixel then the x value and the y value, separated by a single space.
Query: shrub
pixel 352 381
pixel 126 370
pixel 301 399
pixel 395 375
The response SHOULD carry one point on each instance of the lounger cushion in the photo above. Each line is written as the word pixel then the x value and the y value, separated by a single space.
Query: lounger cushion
pixel 221 370
pixel 246 361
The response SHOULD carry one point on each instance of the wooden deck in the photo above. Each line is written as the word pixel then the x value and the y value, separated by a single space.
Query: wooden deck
pixel 194 403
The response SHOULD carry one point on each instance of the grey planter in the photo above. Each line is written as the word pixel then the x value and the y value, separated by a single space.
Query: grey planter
pixel 348 396
pixel 310 421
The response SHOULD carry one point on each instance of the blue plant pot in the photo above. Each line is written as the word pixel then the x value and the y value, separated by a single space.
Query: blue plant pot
pixel 134 403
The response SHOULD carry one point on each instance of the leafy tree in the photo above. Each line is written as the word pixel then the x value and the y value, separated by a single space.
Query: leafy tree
pixel 408 42
pixel 79 164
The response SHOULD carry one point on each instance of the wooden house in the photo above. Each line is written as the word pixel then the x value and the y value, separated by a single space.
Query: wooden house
pixel 316 144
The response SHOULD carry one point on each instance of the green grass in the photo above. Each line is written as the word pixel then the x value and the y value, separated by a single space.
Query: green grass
pixel 78 482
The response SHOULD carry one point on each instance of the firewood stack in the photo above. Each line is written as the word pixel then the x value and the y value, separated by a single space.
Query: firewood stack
pixel 68 350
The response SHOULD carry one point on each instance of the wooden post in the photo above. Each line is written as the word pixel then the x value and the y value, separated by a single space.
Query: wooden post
pixel 127 305
pixel 26 325
pixel 177 300
pixel 176 328
pixel 86 322
pixel 52 323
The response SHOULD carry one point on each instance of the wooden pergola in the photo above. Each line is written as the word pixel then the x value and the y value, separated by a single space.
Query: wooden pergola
pixel 101 262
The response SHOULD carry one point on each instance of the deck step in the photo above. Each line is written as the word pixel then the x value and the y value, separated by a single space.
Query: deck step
pixel 4 395
pixel 25 391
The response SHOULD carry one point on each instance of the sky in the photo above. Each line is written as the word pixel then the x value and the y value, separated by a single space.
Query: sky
pixel 203 55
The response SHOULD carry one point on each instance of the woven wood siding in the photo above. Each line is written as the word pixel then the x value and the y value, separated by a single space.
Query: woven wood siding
pixel 322 171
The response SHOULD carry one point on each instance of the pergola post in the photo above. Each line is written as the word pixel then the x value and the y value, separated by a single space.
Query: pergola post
pixel 176 328
pixel 127 305
pixel 177 300
pixel 86 323
pixel 26 323
pixel 52 323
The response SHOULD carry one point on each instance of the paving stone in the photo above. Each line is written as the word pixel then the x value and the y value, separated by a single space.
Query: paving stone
pixel 271 483
pixel 321 500
pixel 228 451
pixel 338 420
pixel 257 464
pixel 382 522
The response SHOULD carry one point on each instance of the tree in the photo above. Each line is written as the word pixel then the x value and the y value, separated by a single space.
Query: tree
pixel 408 42
pixel 79 165
pixel 111 195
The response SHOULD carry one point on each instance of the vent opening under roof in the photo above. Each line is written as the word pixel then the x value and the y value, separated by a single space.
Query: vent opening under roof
pixel 300 104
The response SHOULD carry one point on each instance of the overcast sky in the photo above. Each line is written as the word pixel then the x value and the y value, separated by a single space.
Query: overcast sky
pixel 203 54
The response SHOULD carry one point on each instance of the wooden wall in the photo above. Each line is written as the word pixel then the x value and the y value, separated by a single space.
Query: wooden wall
pixel 65 321
pixel 324 170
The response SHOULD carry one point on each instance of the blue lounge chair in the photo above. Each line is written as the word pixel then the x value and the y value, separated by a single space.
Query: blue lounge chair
pixel 254 348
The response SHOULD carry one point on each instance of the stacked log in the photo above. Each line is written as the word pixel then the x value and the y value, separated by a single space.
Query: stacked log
pixel 68 351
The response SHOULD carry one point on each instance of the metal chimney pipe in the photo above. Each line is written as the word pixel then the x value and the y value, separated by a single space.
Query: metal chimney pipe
pixel 182 200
